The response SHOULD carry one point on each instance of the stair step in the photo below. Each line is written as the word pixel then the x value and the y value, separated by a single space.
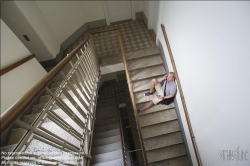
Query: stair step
pixel 106 134
pixel 118 162
pixel 155 108
pixel 30 118
pixel 148 61
pixel 106 127
pixel 157 117
pixel 105 157
pixel 163 141
pixel 44 99
pixel 142 85
pixel 178 161
pixel 142 53
pixel 109 114
pixel 145 73
pixel 8 148
pixel 16 135
pixel 165 153
pixel 55 85
pixel 106 141
pixel 38 108
pixel 160 129
pixel 106 148
pixel 106 122
pixel 105 104
pixel 106 101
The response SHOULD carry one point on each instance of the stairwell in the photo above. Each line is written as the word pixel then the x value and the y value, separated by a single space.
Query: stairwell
pixel 160 127
pixel 107 145
pixel 161 131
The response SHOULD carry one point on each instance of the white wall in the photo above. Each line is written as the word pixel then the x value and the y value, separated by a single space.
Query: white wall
pixel 146 8
pixel 18 81
pixel 139 5
pixel 48 23
pixel 210 42
pixel 25 18
pixel 65 17
pixel 12 50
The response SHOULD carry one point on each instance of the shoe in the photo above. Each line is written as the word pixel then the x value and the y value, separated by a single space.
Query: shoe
pixel 148 94
pixel 138 111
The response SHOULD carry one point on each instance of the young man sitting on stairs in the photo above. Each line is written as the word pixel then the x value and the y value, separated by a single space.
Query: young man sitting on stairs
pixel 166 92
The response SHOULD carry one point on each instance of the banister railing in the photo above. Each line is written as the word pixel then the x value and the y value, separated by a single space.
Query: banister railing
pixel 15 65
pixel 182 96
pixel 9 116
pixel 56 115
pixel 132 97
pixel 129 85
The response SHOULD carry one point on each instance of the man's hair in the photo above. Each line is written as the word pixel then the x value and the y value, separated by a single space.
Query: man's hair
pixel 172 74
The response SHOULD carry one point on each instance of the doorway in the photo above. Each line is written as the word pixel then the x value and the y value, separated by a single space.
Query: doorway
pixel 118 10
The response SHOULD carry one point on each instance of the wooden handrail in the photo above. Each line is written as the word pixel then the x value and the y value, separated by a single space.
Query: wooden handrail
pixel 15 65
pixel 129 85
pixel 182 96
pixel 132 96
pixel 12 114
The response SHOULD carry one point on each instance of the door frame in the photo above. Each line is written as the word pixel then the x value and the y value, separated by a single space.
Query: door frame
pixel 105 9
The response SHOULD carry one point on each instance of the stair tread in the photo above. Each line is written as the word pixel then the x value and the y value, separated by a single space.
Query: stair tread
pixel 142 85
pixel 155 108
pixel 144 62
pixel 30 118
pixel 106 122
pixel 8 148
pixel 180 161
pixel 106 134
pixel 165 153
pixel 106 148
pixel 106 113
pixel 144 73
pixel 38 108
pixel 162 141
pixel 106 127
pixel 106 141
pixel 118 162
pixel 16 135
pixel 44 99
pixel 157 117
pixel 142 53
pixel 105 157
pixel 160 129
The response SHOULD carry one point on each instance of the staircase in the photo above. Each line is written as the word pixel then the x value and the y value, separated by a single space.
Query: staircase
pixel 107 145
pixel 161 132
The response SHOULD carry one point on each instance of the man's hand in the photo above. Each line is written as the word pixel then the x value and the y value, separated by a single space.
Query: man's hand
pixel 160 97
pixel 165 77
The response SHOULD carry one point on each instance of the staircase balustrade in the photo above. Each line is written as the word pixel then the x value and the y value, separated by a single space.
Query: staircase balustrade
pixel 58 127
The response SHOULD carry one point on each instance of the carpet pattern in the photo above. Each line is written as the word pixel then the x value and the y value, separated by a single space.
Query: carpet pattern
pixel 135 36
